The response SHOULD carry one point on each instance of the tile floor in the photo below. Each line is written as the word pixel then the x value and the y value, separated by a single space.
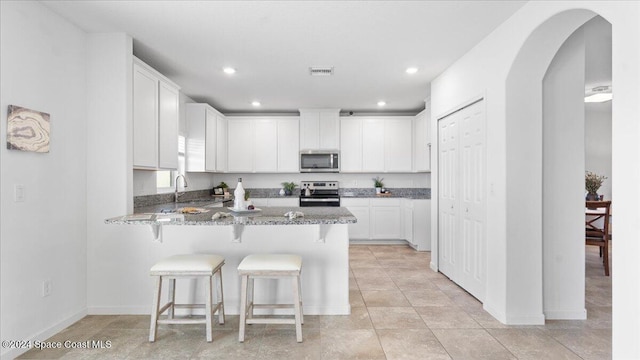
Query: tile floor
pixel 400 310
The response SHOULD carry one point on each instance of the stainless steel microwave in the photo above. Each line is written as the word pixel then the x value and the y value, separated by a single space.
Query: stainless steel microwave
pixel 319 161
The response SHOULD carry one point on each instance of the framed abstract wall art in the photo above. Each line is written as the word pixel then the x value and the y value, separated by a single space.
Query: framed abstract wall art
pixel 27 130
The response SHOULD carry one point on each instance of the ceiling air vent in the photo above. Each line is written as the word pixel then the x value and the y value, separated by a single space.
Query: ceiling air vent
pixel 321 71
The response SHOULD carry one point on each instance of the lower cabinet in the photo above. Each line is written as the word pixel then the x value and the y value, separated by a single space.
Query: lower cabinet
pixel 281 201
pixel 391 219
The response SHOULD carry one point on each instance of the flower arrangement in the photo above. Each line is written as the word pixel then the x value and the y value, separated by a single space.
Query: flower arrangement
pixel 593 182
pixel 377 182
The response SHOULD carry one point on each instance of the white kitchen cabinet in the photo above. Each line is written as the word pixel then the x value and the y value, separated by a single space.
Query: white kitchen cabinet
pixel 278 201
pixel 265 135
pixel 398 134
pixel 155 119
pixel 351 145
pixel 221 143
pixel 202 138
pixel 262 144
pixel 386 219
pixel 360 209
pixel 421 237
pixel 241 144
pixel 288 145
pixel 407 220
pixel 373 145
pixel 319 129
pixel 422 141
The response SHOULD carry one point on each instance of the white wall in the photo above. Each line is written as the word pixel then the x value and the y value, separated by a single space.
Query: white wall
pixel 43 68
pixel 563 182
pixel 514 138
pixel 597 141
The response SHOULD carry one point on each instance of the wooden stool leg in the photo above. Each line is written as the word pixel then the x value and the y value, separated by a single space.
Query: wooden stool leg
pixel 172 297
pixel 154 312
pixel 605 255
pixel 243 307
pixel 209 309
pixel 300 297
pixel 297 309
pixel 220 298
pixel 250 294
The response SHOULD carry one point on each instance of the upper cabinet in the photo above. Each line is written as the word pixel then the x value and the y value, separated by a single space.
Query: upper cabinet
pixel 319 129
pixel 422 141
pixel 376 144
pixel 206 146
pixel 263 144
pixel 156 102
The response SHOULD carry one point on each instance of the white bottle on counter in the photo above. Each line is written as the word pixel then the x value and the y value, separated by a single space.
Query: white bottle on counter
pixel 238 194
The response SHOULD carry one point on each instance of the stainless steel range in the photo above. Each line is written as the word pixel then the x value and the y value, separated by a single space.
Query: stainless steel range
pixel 319 193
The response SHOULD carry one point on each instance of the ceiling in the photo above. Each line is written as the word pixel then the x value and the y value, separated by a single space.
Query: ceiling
pixel 272 44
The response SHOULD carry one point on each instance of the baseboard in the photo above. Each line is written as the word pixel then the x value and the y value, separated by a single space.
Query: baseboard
pixel 45 334
pixel 566 315
pixel 378 242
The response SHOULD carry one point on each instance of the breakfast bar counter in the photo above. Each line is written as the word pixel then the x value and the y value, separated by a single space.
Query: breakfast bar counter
pixel 318 234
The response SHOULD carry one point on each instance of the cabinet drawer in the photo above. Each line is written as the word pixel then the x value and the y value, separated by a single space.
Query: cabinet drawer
pixel 346 202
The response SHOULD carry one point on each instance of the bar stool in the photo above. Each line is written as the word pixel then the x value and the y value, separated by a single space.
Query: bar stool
pixel 269 266
pixel 187 266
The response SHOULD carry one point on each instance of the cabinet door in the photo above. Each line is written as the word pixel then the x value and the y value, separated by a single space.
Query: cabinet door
pixel 196 138
pixel 168 112
pixel 329 129
pixel 351 145
pixel 240 145
pixel 421 224
pixel 288 145
pixel 221 143
pixel 285 201
pixel 265 145
pixel 386 219
pixel 145 118
pixel 421 145
pixel 309 130
pixel 397 145
pixel 260 202
pixel 407 220
pixel 211 129
pixel 359 230
pixel 373 145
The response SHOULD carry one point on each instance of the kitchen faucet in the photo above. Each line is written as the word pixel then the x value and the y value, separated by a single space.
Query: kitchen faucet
pixel 177 195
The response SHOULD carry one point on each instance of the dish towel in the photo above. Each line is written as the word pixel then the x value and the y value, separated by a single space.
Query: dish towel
pixel 294 214
pixel 220 215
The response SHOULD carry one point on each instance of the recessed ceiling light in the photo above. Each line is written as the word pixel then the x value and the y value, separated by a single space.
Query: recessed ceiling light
pixel 229 70
pixel 412 70
pixel 255 103
pixel 382 103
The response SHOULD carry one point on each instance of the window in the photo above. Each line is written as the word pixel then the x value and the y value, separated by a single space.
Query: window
pixel 165 179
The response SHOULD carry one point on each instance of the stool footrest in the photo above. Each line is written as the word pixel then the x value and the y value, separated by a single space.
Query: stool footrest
pixel 271 321
pixel 272 306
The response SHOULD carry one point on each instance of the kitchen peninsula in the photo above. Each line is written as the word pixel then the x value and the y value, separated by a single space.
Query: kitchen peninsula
pixel 320 237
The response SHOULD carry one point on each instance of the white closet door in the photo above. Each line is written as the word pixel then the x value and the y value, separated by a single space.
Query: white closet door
pixel 472 200
pixel 461 207
pixel 448 194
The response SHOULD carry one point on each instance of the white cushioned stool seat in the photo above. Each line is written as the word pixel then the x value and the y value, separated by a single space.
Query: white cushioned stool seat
pixel 270 262
pixel 193 263
pixel 208 266
pixel 270 266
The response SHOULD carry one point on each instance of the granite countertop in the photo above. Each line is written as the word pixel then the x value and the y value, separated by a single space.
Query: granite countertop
pixel 268 216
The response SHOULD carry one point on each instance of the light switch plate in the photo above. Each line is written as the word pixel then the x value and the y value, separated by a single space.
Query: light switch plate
pixel 18 193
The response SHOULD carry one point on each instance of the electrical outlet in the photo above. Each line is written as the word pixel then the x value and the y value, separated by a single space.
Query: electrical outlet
pixel 46 288
pixel 18 193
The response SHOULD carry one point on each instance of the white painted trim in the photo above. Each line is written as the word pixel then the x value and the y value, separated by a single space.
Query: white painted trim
pixel 567 315
pixel 45 334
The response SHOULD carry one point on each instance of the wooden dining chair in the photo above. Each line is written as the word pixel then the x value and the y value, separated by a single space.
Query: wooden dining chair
pixel 597 228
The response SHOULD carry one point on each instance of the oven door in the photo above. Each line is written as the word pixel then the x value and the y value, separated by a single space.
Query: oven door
pixel 319 201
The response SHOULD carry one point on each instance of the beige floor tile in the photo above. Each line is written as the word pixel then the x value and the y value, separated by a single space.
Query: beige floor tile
pixel 355 299
pixel 587 343
pixel 470 344
pixel 359 319
pixel 282 344
pixel 411 344
pixel 395 318
pixel 170 344
pixel 110 344
pixel 351 344
pixel 364 263
pixel 384 298
pixel 369 273
pixel 310 322
pixel 532 344
pixel 225 345
pixel 382 283
pixel 428 298
pixel 446 317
